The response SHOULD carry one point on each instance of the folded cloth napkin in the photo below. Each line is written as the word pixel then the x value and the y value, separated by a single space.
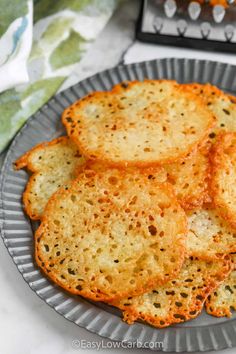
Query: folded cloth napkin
pixel 15 42
pixel 36 58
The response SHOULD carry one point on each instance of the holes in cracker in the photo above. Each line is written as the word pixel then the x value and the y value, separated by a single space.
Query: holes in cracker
pixel 46 247
pixel 109 279
pixel 71 271
pixel 73 198
pixel 179 316
pixel 152 230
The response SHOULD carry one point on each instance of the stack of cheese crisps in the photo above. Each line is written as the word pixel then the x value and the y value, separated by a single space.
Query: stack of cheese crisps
pixel 137 204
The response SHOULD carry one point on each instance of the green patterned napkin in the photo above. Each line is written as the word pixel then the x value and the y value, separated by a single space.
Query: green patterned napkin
pixel 62 32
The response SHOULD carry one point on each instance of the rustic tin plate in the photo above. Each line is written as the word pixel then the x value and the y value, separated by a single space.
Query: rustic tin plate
pixel 202 334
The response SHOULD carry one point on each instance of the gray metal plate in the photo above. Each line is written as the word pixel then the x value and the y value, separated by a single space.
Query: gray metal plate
pixel 202 334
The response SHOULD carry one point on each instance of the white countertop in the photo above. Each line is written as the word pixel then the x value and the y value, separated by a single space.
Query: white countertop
pixel 27 324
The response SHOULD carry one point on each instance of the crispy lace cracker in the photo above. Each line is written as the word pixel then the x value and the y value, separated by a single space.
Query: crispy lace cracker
pixel 209 235
pixel 223 180
pixel 223 300
pixel 190 178
pixel 53 164
pixel 111 234
pixel 222 105
pixel 158 173
pixel 180 299
pixel 139 123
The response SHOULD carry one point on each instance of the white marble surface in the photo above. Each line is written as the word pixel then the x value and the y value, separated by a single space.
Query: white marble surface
pixel 27 324
pixel 143 51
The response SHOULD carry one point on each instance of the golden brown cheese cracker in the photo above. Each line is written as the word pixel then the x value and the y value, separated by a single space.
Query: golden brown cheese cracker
pixel 223 180
pixel 139 123
pixel 53 164
pixel 112 233
pixel 222 105
pixel 180 299
pixel 190 178
pixel 222 300
pixel 209 235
